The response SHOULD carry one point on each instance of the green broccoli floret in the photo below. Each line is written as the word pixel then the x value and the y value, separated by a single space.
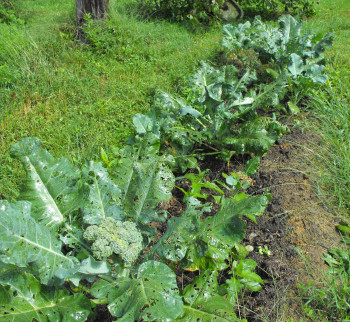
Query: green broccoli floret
pixel 114 236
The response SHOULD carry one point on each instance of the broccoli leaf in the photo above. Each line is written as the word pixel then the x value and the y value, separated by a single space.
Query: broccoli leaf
pixel 181 233
pixel 256 136
pixel 25 242
pixel 28 301
pixel 49 185
pixel 279 46
pixel 102 192
pixel 145 179
pixel 89 269
pixel 142 123
pixel 193 242
pixel 152 296
pixel 203 303
pixel 296 65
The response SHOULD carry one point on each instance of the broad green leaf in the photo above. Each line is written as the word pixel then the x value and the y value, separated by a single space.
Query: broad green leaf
pixel 236 36
pixel 26 300
pixel 256 136
pixel 145 180
pixel 315 73
pixel 251 207
pixel 294 109
pixel 226 227
pixel 181 233
pixel 257 142
pixel 290 28
pixel 49 185
pixel 202 303
pixel 142 123
pixel 191 111
pixel 24 242
pixel 296 65
pixel 103 194
pixel 205 76
pixel 197 242
pixel 89 270
pixel 152 296
pixel 168 104
pixel 252 166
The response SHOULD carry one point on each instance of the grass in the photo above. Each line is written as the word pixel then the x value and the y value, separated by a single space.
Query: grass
pixel 77 98
pixel 331 106
pixel 328 299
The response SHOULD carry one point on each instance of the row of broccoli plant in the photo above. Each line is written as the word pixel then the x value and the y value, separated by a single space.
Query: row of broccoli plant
pixel 83 237
pixel 223 107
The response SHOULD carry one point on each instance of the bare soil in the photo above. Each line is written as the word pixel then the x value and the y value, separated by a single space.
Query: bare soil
pixel 295 228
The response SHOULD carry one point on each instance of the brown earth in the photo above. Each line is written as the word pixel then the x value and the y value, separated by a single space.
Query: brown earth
pixel 295 228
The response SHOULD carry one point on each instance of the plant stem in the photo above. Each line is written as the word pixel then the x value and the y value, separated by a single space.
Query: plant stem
pixel 99 301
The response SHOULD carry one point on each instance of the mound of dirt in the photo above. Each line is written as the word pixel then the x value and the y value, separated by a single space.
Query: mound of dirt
pixel 295 228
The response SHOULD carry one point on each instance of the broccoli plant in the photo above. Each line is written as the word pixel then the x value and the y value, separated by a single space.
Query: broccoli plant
pixel 114 236
pixel 75 225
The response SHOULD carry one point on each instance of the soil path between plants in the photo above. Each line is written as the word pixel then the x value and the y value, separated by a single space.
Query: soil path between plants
pixel 295 228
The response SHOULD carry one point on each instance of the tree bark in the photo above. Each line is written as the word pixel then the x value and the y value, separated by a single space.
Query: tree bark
pixel 96 8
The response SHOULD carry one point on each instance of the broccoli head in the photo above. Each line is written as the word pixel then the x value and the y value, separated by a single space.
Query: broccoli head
pixel 114 236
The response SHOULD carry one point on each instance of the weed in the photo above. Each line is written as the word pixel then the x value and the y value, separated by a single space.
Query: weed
pixel 329 298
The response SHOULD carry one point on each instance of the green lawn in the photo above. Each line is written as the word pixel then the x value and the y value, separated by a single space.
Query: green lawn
pixel 332 106
pixel 78 98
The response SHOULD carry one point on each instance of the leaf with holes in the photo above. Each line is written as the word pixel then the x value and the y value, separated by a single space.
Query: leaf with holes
pixel 50 184
pixel 24 243
pixel 203 303
pixel 181 233
pixel 145 181
pixel 103 196
pixel 196 243
pixel 152 296
pixel 26 300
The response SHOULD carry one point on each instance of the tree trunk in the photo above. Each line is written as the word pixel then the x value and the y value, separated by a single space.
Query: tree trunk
pixel 96 8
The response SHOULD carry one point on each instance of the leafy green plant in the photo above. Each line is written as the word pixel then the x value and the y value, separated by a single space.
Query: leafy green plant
pixel 221 116
pixel 289 58
pixel 76 225
pixel 274 8
pixel 285 48
pixel 9 12
pixel 329 298
pixel 199 182
pixel 221 110
pixel 200 11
